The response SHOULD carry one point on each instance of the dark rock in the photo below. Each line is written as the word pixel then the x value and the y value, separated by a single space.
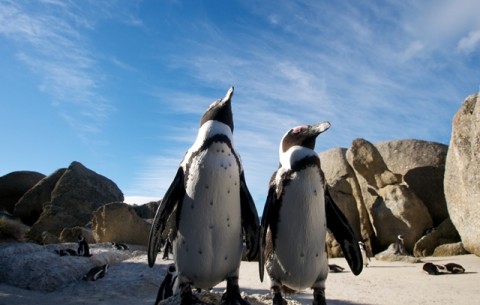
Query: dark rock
pixel 77 194
pixel 14 185
pixel 147 210
pixel 30 206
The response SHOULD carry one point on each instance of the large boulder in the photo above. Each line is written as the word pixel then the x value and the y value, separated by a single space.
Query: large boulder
pixel 346 193
pixel 30 206
pixel 393 207
pixel 462 173
pixel 422 166
pixel 77 194
pixel 443 234
pixel 14 185
pixel 147 210
pixel 119 222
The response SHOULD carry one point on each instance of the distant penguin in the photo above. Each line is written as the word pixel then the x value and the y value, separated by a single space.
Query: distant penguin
pixel 83 248
pixel 400 246
pixel 454 268
pixel 213 209
pixel 335 268
pixel 297 212
pixel 365 257
pixel 119 246
pixel 96 273
pixel 166 288
pixel 66 252
pixel 431 269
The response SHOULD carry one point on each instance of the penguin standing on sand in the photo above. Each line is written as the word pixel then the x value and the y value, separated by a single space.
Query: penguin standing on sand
pixel 166 288
pixel 295 219
pixel 365 257
pixel 213 211
pixel 83 248
pixel 400 246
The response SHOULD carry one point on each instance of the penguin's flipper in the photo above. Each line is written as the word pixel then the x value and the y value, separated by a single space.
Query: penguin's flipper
pixel 173 196
pixel 270 212
pixel 338 224
pixel 250 222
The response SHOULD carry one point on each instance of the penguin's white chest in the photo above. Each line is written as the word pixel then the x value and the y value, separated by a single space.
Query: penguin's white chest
pixel 300 257
pixel 209 245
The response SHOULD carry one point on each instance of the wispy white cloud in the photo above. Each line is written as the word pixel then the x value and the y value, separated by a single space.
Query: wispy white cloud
pixel 372 70
pixel 469 43
pixel 52 39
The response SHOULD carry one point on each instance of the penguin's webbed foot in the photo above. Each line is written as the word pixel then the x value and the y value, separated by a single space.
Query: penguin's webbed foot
pixel 232 295
pixel 277 296
pixel 319 297
pixel 188 298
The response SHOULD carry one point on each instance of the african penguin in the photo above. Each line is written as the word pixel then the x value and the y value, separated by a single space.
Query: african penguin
pixel 119 246
pixel 400 246
pixel 295 219
pixel 166 288
pixel 83 248
pixel 213 209
pixel 454 268
pixel 335 268
pixel 96 273
pixel 365 257
pixel 66 252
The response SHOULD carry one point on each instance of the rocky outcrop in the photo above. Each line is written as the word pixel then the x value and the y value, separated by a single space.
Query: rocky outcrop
pixel 445 233
pixel 462 173
pixel 393 207
pixel 78 193
pixel 147 210
pixel 345 191
pixel 120 223
pixel 30 206
pixel 422 166
pixel 39 268
pixel 388 188
pixel 14 185
pixel 71 235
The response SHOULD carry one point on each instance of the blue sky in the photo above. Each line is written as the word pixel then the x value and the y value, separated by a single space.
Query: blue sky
pixel 120 85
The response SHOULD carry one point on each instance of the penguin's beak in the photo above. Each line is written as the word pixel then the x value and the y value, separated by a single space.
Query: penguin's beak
pixel 228 96
pixel 319 128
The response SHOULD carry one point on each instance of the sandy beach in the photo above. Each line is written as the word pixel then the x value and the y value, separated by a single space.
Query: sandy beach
pixel 133 282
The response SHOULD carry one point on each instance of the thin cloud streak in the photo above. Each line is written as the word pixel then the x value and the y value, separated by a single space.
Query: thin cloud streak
pixel 358 85
pixel 59 54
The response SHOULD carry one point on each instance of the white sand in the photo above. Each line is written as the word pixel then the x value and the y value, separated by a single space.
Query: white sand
pixel 133 282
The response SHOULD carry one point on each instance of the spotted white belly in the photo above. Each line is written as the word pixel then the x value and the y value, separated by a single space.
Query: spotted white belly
pixel 300 260
pixel 208 247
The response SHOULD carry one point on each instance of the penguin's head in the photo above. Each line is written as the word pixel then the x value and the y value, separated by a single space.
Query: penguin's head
pixel 220 110
pixel 303 136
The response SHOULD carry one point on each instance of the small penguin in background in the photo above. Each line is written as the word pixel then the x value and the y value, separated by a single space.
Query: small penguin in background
pixel 96 273
pixel 455 268
pixel 213 211
pixel 119 246
pixel 168 247
pixel 83 248
pixel 335 268
pixel 297 213
pixel 66 252
pixel 166 288
pixel 431 269
pixel 400 246
pixel 365 257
